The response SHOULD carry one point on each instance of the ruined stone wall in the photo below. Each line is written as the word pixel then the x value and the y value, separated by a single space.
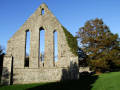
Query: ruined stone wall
pixel 23 76
pixel 52 70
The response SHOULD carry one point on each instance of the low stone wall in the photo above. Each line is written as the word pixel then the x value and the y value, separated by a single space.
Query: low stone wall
pixel 84 69
pixel 22 76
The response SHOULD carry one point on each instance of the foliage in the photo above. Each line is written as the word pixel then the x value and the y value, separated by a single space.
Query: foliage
pixel 82 58
pixel 42 56
pixel 1 55
pixel 1 50
pixel 1 60
pixel 72 41
pixel 101 45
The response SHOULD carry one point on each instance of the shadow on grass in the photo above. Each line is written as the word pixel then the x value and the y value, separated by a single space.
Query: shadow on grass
pixel 84 83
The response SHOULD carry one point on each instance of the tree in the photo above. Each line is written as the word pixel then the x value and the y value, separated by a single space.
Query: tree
pixel 42 56
pixel 1 59
pixel 100 44
pixel 82 58
pixel 1 50
pixel 1 54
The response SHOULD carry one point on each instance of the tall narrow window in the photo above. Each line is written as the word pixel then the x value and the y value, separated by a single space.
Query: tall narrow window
pixel 42 11
pixel 55 47
pixel 42 45
pixel 27 48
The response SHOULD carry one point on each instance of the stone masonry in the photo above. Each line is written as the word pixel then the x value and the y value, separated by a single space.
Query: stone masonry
pixel 14 71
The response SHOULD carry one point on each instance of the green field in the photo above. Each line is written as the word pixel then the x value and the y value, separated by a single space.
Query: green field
pixel 108 81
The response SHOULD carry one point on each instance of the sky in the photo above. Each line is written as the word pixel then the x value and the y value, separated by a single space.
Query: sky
pixel 72 14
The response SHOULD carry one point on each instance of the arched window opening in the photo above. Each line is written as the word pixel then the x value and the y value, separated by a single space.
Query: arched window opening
pixel 42 11
pixel 41 45
pixel 55 47
pixel 27 46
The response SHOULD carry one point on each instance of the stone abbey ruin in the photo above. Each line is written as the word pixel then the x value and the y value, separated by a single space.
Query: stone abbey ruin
pixel 14 69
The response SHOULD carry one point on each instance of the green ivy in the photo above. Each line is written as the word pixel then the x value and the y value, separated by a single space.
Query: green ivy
pixel 72 41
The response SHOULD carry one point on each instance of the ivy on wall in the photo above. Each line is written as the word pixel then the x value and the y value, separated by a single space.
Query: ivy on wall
pixel 72 41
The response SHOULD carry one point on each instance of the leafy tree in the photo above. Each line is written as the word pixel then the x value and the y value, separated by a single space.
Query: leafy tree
pixel 1 50
pixel 82 58
pixel 42 56
pixel 100 44
pixel 1 59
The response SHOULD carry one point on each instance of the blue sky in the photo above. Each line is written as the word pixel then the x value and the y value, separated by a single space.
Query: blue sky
pixel 71 13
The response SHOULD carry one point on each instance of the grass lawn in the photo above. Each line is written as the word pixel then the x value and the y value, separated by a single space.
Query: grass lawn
pixel 107 81
pixel 20 87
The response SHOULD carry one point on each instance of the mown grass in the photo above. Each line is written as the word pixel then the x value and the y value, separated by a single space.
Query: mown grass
pixel 20 86
pixel 107 81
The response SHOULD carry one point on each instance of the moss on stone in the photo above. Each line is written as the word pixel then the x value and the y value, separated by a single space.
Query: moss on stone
pixel 71 40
